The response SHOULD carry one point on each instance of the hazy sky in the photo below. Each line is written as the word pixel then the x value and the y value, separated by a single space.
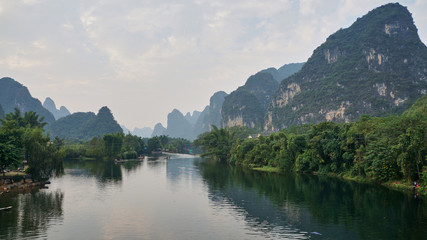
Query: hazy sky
pixel 143 58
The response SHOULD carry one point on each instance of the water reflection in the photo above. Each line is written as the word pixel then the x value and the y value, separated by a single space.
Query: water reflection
pixel 155 162
pixel 193 199
pixel 32 213
pixel 103 171
pixel 320 207
pixel 181 169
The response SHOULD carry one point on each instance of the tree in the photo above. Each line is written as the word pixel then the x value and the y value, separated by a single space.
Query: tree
pixel 30 119
pixel 113 144
pixel 217 143
pixel 25 135
pixel 95 148
pixel 154 144
pixel 133 143
pixel 412 149
pixel 10 145
pixel 44 159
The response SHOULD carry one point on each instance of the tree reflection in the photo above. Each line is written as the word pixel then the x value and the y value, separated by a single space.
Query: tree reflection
pixel 315 203
pixel 104 171
pixel 31 215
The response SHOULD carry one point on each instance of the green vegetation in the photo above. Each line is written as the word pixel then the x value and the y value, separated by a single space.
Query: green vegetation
pixel 85 126
pixel 382 149
pixel 375 67
pixel 121 146
pixel 218 142
pixel 250 101
pixel 22 137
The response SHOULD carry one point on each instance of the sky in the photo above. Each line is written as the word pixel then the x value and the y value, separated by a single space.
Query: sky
pixel 143 58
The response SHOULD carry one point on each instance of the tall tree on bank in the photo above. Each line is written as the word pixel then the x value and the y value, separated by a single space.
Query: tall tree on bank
pixel 10 145
pixel 44 158
pixel 24 134
pixel 113 144
pixel 217 143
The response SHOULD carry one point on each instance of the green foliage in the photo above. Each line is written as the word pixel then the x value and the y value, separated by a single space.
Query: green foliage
pixel 154 144
pixel 24 134
pixel 179 145
pixel 250 101
pixel 113 144
pixel 95 148
pixel 242 103
pixel 134 144
pixel 122 146
pixel 85 126
pixel 10 145
pixel 381 50
pixel 44 159
pixel 384 149
pixel 168 144
pixel 216 143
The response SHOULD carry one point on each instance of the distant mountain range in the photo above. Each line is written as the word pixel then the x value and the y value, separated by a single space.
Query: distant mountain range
pixel 158 130
pixel 81 126
pixel 144 132
pixel 284 71
pixel 377 66
pixel 258 90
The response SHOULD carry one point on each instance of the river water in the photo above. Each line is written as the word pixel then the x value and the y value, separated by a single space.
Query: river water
pixel 191 198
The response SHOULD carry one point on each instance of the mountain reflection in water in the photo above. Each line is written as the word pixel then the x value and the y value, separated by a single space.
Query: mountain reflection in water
pixel 191 198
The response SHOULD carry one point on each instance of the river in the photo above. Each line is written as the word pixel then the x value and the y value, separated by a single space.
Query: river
pixel 192 198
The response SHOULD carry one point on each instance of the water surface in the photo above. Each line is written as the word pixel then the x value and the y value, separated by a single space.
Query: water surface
pixel 190 198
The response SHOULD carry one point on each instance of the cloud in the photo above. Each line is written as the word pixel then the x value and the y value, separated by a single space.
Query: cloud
pixel 144 58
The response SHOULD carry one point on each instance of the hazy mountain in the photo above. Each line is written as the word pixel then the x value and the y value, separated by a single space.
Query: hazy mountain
pixel 158 130
pixel 85 126
pixel 211 115
pixel 15 95
pixel 377 66
pixel 284 71
pixel 49 104
pixel 125 129
pixel 192 118
pixel 178 126
pixel 143 132
pixel 247 105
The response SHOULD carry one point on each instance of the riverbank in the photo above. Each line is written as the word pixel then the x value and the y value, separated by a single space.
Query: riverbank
pixel 398 185
pixel 20 186
pixel 18 181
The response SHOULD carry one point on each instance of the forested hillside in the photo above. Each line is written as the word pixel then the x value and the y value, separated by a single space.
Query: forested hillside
pixel 85 126
pixel 377 66
pixel 381 148
pixel 15 95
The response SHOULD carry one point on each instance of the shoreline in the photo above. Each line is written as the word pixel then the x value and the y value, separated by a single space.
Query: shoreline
pixel 29 184
pixel 397 185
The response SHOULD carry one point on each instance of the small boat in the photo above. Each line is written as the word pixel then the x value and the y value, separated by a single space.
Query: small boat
pixel 118 161
pixel 6 208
